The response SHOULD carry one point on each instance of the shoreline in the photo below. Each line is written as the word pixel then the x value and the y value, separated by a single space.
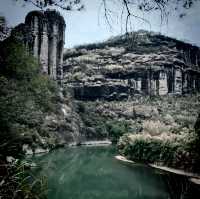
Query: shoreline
pixel 192 177
pixel 91 143
pixel 124 159
pixel 175 171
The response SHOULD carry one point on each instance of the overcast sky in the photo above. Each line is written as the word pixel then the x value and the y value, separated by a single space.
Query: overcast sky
pixel 89 26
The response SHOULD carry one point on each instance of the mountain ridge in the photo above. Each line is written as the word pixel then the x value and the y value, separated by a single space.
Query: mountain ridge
pixel 151 64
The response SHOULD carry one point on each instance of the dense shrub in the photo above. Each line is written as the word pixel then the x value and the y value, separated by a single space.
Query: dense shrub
pixel 154 127
pixel 116 129
pixel 176 151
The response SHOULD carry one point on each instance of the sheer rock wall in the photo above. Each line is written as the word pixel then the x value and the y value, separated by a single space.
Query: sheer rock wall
pixel 143 63
pixel 43 34
pixel 4 30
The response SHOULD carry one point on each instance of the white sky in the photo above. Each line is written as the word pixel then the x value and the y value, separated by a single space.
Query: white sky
pixel 89 26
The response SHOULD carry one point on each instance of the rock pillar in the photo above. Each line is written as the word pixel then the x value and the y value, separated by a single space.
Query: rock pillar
pixel 185 82
pixel 178 81
pixel 163 88
pixel 53 52
pixel 44 49
pixel 153 87
pixel 60 49
pixel 46 40
pixel 139 84
pixel 35 35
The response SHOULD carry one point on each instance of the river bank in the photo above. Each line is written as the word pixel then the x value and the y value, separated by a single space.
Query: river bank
pixel 193 177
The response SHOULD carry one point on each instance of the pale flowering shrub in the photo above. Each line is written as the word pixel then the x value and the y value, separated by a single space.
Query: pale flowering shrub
pixel 155 128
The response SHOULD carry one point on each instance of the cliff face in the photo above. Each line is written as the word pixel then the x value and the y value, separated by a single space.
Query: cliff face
pixel 141 63
pixel 43 36
pixel 4 30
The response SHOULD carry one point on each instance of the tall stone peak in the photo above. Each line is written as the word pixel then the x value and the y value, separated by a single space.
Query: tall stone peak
pixel 43 34
pixel 50 15
pixel 4 29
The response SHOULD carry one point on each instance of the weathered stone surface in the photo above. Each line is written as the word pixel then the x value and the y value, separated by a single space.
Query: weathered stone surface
pixel 163 88
pixel 178 85
pixel 120 68
pixel 43 34
pixel 4 30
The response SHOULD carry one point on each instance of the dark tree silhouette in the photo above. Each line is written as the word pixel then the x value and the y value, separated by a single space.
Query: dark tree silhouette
pixel 145 5
pixel 164 7
pixel 67 5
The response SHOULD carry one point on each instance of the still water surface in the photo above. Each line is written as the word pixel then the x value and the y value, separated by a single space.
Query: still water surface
pixel 94 173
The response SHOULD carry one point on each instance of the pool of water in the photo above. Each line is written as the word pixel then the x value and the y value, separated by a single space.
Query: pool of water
pixel 94 173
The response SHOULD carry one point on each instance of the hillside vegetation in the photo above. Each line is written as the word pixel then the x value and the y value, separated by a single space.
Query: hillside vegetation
pixel 156 130
pixel 26 97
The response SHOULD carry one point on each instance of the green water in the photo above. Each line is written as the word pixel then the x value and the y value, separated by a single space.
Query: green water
pixel 94 173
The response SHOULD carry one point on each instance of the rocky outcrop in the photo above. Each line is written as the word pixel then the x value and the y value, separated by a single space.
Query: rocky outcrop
pixel 4 30
pixel 43 35
pixel 140 63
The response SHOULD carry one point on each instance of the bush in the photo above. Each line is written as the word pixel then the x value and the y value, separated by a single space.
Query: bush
pixel 175 151
pixel 15 62
pixel 154 128
pixel 116 129
pixel 81 107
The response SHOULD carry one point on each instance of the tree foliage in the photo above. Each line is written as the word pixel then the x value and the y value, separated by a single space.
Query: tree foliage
pixel 145 5
pixel 25 97
pixel 67 5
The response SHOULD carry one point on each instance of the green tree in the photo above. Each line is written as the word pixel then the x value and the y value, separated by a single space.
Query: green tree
pixel 26 96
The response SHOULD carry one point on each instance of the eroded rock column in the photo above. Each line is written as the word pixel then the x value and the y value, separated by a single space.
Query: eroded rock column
pixel 53 52
pixel 35 35
pixel 163 88
pixel 185 82
pixel 46 40
pixel 44 49
pixel 178 81
pixel 139 84
pixel 153 87
pixel 60 49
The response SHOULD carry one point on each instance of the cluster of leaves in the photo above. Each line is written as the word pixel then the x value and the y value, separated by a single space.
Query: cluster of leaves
pixel 17 182
pixel 116 129
pixel 67 5
pixel 25 97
